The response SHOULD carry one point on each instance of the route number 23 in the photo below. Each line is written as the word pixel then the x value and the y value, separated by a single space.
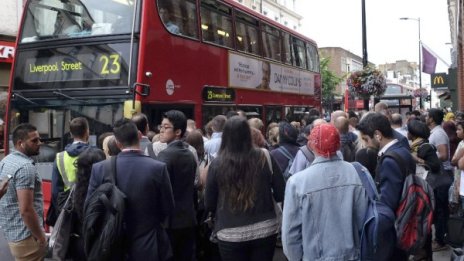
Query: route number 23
pixel 110 64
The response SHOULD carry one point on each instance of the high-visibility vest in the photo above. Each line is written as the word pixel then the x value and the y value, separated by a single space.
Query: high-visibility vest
pixel 67 168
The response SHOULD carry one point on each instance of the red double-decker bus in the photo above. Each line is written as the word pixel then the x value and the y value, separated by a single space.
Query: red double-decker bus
pixel 105 59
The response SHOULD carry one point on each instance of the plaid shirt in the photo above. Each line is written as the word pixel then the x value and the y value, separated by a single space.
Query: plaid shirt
pixel 25 176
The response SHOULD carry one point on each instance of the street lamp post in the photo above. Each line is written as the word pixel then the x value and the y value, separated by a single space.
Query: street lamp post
pixel 420 57
pixel 364 44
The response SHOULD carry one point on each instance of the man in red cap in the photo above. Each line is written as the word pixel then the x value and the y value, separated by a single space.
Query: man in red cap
pixel 324 204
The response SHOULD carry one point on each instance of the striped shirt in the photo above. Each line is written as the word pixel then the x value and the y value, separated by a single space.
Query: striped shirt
pixel 25 176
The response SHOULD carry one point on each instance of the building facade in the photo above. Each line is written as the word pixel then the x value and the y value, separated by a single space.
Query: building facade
pixel 342 63
pixel 281 11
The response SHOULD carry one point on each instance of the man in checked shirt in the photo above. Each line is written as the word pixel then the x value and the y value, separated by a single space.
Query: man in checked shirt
pixel 21 208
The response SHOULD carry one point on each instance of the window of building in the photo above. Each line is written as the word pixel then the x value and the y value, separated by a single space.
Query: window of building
pixel 179 16
pixel 216 23
pixel 247 33
pixel 299 53
pixel 271 42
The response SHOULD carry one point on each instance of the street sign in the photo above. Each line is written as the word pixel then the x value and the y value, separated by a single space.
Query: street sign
pixel 439 80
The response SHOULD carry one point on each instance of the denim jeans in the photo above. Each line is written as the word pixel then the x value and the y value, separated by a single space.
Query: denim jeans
pixel 255 250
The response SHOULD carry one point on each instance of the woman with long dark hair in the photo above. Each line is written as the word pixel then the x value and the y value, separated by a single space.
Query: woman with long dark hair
pixel 240 188
pixel 84 167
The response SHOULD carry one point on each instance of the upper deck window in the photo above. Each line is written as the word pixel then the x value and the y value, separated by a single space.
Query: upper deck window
pixel 54 19
pixel 313 57
pixel 300 53
pixel 271 43
pixel 179 16
pixel 247 34
pixel 216 23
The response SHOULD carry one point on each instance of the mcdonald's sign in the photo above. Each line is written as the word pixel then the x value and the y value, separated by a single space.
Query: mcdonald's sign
pixel 439 80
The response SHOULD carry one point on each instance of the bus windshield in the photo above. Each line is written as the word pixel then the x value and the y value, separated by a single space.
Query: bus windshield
pixel 56 19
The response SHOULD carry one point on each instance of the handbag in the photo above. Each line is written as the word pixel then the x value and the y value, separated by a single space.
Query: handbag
pixel 61 235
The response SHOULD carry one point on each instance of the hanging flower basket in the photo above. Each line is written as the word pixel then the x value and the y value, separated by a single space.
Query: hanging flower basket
pixel 422 92
pixel 367 82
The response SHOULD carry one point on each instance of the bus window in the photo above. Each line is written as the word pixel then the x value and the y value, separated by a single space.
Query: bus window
pixel 273 114
pixel 252 111
pixel 271 43
pixel 286 48
pixel 216 23
pixel 179 16
pixel 247 34
pixel 300 53
pixel 313 57
pixel 209 111
pixel 61 19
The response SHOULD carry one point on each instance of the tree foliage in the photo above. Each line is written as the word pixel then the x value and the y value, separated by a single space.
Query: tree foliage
pixel 329 80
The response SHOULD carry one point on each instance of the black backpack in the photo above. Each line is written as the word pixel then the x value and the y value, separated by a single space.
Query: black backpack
pixel 104 226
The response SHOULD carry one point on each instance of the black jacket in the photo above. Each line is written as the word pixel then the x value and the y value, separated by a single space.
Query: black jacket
pixel 182 166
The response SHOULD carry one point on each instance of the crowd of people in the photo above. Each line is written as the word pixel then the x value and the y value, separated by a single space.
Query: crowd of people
pixel 237 188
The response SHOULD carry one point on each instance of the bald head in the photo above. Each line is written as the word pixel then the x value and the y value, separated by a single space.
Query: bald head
pixel 337 114
pixel 382 108
pixel 342 125
pixel 396 120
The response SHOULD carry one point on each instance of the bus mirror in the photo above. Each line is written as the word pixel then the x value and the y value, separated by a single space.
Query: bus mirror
pixel 141 89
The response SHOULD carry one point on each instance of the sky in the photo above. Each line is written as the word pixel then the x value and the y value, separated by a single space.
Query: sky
pixel 338 23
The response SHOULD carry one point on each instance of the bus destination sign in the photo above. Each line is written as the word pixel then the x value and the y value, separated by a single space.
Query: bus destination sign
pixel 218 94
pixel 98 65
pixel 77 68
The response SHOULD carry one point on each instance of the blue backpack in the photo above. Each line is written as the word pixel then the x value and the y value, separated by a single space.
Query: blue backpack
pixel 378 219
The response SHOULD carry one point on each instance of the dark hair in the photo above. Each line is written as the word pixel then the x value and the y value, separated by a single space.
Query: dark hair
pixel 195 139
pixel 352 114
pixel 287 133
pixel 101 138
pixel 218 123
pixel 416 113
pixel 459 116
pixel 231 114
pixel 21 132
pixel 419 129
pixel 84 167
pixel 460 123
pixel 141 121
pixel 396 119
pixel 375 121
pixel 239 165
pixel 78 127
pixel 126 132
pixel 314 112
pixel 178 120
pixel 436 115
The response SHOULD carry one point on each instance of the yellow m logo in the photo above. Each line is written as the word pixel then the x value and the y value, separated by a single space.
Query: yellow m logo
pixel 438 80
